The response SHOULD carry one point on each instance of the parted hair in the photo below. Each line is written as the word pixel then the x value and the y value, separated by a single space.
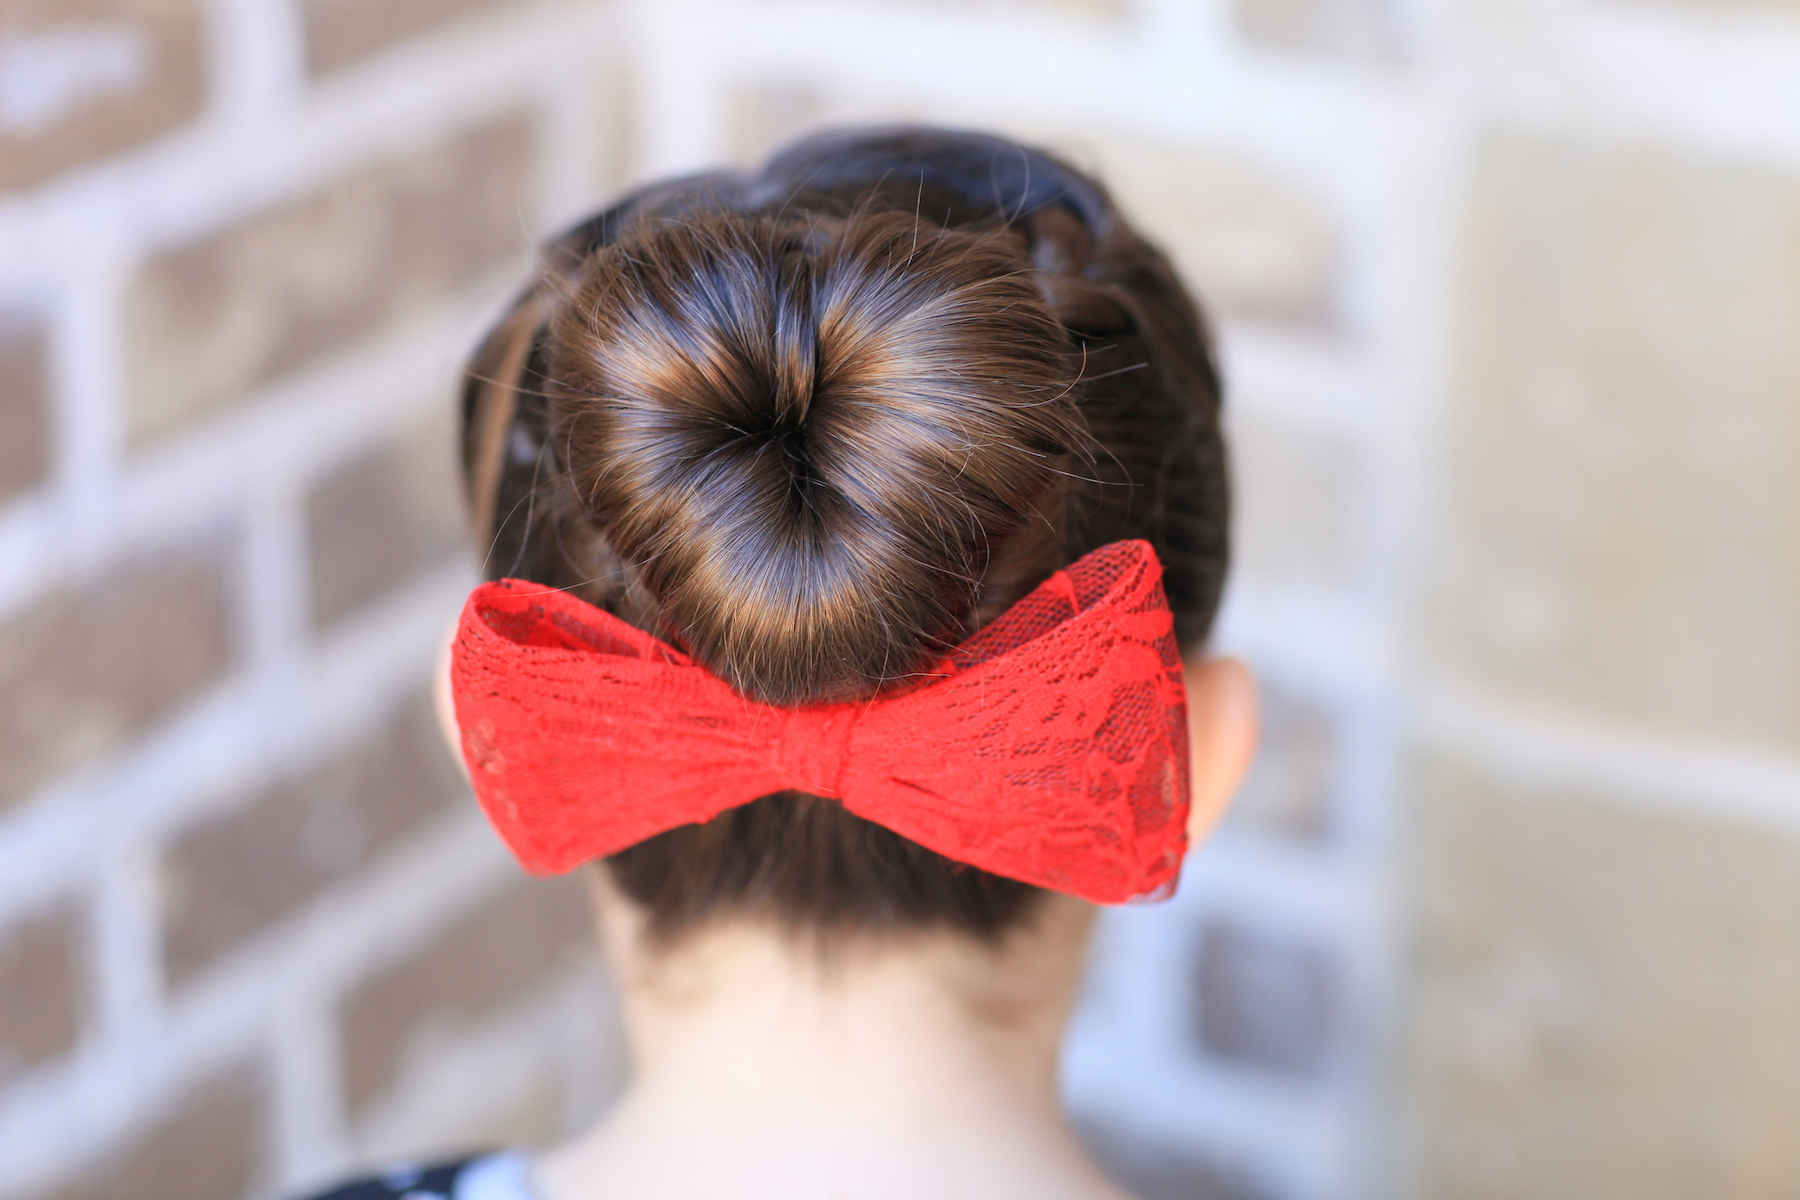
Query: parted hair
pixel 817 424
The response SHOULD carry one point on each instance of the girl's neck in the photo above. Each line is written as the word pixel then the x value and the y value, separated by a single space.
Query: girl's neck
pixel 923 1067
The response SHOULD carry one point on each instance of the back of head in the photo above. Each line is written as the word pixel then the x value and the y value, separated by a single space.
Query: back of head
pixel 795 425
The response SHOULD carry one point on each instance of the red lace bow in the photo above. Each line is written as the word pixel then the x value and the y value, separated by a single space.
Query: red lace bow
pixel 1051 747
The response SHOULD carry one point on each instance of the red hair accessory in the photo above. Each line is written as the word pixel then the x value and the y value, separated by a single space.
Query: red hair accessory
pixel 1051 747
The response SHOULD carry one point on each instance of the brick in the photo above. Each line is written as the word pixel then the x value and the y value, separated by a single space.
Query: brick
pixel 615 117
pixel 91 78
pixel 1622 537
pixel 1290 789
pixel 209 321
pixel 1606 1000
pixel 42 978
pixel 25 451
pixel 341 32
pixel 227 879
pixel 86 670
pixel 383 517
pixel 1160 1170
pixel 1355 30
pixel 211 1146
pixel 1297 492
pixel 1789 7
pixel 1108 9
pixel 510 1091
pixel 469 971
pixel 537 1116
pixel 1252 242
pixel 1266 1000
pixel 761 120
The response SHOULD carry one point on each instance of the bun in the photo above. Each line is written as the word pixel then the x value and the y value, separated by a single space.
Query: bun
pixel 806 437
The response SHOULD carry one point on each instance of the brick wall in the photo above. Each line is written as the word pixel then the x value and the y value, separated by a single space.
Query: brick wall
pixel 252 930
pixel 1506 294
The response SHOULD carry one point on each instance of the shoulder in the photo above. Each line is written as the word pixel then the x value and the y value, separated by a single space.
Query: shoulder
pixel 486 1177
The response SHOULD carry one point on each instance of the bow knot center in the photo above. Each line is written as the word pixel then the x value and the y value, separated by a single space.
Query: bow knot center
pixel 812 747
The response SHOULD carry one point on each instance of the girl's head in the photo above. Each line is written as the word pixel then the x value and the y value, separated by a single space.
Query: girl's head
pixel 816 425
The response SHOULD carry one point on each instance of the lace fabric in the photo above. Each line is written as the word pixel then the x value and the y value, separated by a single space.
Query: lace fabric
pixel 1051 747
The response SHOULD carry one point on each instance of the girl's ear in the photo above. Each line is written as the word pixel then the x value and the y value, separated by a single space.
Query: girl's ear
pixel 1222 733
pixel 445 703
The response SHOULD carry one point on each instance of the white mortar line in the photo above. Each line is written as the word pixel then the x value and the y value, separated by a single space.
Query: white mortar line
pixel 1559 750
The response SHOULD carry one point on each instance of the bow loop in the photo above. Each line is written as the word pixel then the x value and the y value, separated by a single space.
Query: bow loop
pixel 1051 747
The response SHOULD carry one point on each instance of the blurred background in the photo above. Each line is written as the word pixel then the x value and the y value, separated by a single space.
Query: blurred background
pixel 1508 298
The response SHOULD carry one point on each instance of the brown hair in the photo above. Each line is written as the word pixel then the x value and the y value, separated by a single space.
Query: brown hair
pixel 817 424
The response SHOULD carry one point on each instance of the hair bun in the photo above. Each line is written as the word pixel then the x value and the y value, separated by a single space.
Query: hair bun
pixel 807 436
